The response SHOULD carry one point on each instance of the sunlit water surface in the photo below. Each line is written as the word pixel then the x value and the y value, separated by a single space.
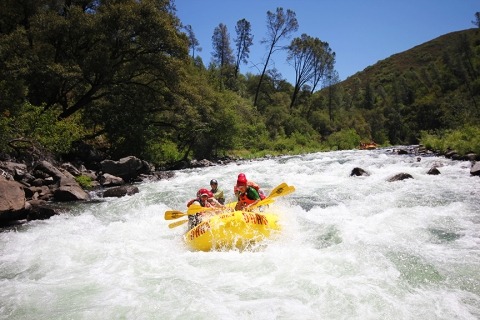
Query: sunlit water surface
pixel 351 248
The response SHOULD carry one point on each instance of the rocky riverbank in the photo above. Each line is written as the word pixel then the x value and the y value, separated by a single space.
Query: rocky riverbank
pixel 34 192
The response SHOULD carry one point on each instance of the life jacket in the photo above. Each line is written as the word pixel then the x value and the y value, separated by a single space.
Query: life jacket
pixel 245 199
pixel 253 185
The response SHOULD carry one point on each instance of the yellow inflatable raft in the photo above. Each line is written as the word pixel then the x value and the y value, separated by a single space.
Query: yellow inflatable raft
pixel 231 230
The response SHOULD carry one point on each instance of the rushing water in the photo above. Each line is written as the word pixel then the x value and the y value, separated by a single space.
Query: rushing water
pixel 351 248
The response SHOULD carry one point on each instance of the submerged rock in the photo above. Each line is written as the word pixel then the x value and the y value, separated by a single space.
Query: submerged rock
pixel 400 176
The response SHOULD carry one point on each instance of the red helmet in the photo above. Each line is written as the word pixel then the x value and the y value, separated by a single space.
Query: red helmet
pixel 203 192
pixel 241 180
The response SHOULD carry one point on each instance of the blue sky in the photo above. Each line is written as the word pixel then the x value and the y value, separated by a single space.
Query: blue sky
pixel 360 32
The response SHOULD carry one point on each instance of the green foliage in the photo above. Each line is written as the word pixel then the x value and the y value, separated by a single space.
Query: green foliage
pixel 462 140
pixel 5 131
pixel 343 140
pixel 41 127
pixel 84 181
pixel 120 72
pixel 161 153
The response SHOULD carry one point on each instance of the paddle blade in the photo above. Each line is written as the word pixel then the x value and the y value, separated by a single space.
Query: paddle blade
pixel 263 202
pixel 195 208
pixel 177 223
pixel 231 205
pixel 173 214
pixel 281 190
pixel 277 189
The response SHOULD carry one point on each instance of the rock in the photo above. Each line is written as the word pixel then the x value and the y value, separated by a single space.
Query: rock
pixel 451 154
pixel 16 170
pixel 120 191
pixel 108 180
pixel 12 200
pixel 201 164
pixel 68 188
pixel 39 193
pixel 70 193
pixel 400 176
pixel 39 210
pixel 433 171
pixel 475 170
pixel 359 172
pixel 71 169
pixel 471 156
pixel 127 168
pixel 49 169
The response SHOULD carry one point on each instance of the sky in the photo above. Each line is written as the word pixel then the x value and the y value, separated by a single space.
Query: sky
pixel 360 32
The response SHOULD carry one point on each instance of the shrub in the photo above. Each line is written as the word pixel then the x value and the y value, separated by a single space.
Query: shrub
pixel 462 140
pixel 41 126
pixel 343 140
pixel 163 152
pixel 84 181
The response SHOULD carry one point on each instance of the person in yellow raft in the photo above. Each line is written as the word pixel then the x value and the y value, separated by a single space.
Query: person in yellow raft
pixel 205 199
pixel 217 192
pixel 246 193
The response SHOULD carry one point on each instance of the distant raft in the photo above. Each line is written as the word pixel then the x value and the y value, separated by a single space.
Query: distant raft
pixel 230 230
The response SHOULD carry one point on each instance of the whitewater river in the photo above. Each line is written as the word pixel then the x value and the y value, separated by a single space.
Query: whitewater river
pixel 351 248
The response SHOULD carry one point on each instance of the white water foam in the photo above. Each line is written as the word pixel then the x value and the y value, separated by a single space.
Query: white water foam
pixel 351 248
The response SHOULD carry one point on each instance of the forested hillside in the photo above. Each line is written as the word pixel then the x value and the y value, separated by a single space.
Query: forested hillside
pixel 122 78
pixel 432 87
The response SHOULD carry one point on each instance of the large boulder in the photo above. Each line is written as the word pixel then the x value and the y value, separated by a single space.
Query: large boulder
pixel 127 168
pixel 39 210
pixel 121 191
pixel 16 170
pixel 68 188
pixel 12 200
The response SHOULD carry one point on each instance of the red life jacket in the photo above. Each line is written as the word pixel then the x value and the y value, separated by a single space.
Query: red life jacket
pixel 246 200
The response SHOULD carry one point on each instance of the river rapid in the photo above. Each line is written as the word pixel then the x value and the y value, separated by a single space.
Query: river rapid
pixel 350 248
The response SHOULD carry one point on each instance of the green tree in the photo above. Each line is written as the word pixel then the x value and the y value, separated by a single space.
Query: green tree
pixel 311 59
pixel 193 43
pixel 119 60
pixel 279 26
pixel 331 81
pixel 222 52
pixel 243 42
pixel 477 19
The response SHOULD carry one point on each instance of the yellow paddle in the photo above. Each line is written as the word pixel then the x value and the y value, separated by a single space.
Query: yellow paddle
pixel 196 208
pixel 272 194
pixel 173 214
pixel 281 190
pixel 177 223
pixel 193 209
pixel 277 192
